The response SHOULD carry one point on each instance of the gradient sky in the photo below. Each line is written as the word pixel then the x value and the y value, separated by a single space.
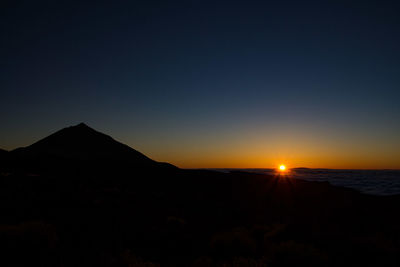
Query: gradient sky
pixel 209 83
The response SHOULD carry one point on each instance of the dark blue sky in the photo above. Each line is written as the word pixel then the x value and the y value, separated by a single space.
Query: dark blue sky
pixel 209 83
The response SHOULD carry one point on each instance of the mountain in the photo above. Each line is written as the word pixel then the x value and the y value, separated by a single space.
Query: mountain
pixel 81 145
pixel 3 156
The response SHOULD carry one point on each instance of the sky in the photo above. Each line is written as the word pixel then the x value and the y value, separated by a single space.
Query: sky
pixel 207 84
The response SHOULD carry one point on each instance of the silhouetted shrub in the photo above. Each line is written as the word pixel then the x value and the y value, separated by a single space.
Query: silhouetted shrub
pixel 237 242
pixel 30 243
pixel 131 260
pixel 175 224
pixel 375 249
pixel 203 262
pixel 235 262
pixel 291 253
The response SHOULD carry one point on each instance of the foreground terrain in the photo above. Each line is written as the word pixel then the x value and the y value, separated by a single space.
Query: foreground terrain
pixel 79 198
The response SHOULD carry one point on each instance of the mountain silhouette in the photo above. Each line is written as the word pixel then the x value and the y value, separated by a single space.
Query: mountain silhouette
pixel 3 157
pixel 81 144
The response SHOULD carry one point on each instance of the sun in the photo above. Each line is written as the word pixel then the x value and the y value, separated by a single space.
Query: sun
pixel 282 168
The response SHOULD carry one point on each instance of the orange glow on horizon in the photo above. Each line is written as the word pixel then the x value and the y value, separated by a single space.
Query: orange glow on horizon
pixel 282 168
pixel 269 153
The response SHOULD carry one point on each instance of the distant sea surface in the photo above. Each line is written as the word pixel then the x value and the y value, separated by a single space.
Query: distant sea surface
pixel 375 182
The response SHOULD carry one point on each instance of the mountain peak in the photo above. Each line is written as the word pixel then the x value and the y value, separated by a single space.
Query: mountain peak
pixel 81 142
pixel 81 125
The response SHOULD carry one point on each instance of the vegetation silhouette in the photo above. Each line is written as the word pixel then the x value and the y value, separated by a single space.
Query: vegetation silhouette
pixel 80 198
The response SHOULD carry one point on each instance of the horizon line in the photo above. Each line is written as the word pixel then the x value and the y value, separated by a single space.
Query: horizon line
pixel 319 168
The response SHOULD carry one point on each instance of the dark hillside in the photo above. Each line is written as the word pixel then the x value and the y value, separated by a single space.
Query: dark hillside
pixel 152 214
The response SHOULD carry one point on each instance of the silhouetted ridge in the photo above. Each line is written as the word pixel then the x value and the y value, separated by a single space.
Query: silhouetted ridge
pixel 3 154
pixel 82 143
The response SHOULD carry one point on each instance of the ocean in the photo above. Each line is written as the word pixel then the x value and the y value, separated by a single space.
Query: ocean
pixel 375 182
